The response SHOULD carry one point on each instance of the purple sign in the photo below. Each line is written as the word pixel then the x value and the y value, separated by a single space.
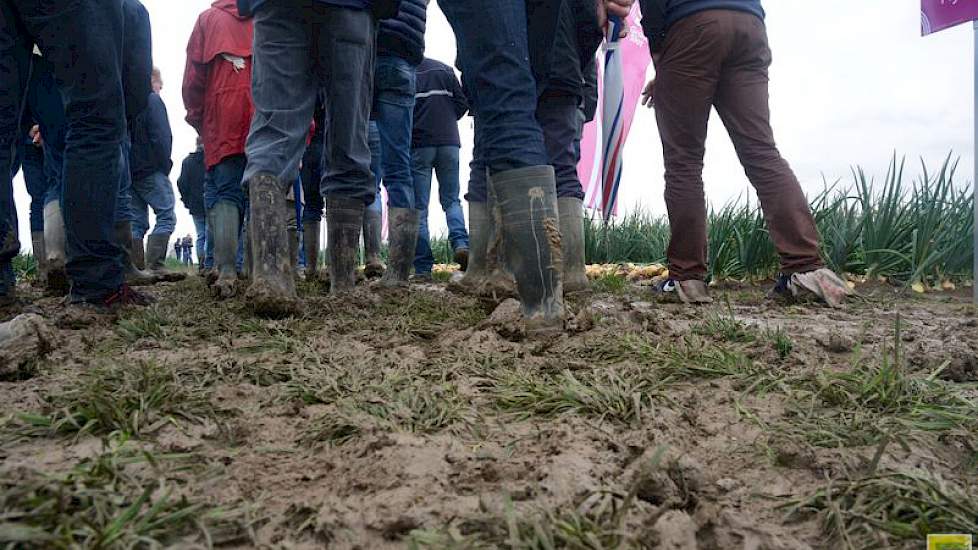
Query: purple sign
pixel 937 15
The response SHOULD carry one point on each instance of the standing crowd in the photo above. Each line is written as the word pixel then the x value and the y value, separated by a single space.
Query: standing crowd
pixel 304 108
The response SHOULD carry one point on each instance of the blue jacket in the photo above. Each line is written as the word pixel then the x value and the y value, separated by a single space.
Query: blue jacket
pixel 659 15
pixel 403 36
pixel 152 140
pixel 438 105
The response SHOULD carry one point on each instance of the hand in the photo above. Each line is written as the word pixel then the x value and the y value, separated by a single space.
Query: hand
pixel 35 135
pixel 621 8
pixel 648 96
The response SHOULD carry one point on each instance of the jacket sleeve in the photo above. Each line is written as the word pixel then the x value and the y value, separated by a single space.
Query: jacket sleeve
pixel 654 23
pixel 458 96
pixel 194 81
pixel 160 134
pixel 183 183
pixel 589 33
pixel 137 63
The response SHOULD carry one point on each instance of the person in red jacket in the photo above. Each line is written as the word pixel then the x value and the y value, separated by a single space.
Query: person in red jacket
pixel 217 96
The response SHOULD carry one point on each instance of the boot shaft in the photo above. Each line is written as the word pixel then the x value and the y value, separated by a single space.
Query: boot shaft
pixel 572 243
pixel 344 220
pixel 403 242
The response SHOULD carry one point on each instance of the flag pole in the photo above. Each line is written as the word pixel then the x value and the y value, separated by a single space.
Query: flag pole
pixel 974 183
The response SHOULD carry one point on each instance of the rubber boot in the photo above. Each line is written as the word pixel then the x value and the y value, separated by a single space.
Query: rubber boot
pixel 344 218
pixel 225 219
pixel 373 222
pixel 37 244
pixel 402 240
pixel 54 248
pixel 310 245
pixel 272 291
pixel 484 275
pixel 138 253
pixel 294 250
pixel 134 276
pixel 156 247
pixel 572 243
pixel 530 227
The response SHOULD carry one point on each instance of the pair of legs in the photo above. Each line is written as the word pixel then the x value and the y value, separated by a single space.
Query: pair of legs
pixel 154 191
pixel 719 59
pixel 80 38
pixel 442 161
pixel 302 47
pixel 200 228
pixel 226 205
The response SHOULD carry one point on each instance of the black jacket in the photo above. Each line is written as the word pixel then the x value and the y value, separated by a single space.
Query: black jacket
pixel 152 140
pixel 576 42
pixel 659 15
pixel 137 57
pixel 403 36
pixel 191 183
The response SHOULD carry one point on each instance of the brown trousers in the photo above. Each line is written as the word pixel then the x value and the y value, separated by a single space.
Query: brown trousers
pixel 719 59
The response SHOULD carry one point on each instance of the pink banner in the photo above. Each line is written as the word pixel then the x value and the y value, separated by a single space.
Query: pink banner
pixel 635 58
pixel 937 15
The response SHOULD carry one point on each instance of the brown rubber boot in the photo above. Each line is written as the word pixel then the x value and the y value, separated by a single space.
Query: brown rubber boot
pixel 403 230
pixel 272 291
pixel 373 222
pixel 344 219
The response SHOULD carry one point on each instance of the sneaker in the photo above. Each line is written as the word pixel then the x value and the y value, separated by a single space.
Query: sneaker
pixel 821 284
pixel 462 258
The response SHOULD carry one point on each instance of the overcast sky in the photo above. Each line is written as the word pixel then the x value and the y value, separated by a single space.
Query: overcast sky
pixel 852 82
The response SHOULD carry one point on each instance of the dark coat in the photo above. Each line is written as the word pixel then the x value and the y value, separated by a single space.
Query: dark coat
pixel 403 36
pixel 552 41
pixel 152 140
pixel 137 57
pixel 247 7
pixel 190 184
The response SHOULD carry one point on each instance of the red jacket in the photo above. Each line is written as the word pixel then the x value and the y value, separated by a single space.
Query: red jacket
pixel 216 92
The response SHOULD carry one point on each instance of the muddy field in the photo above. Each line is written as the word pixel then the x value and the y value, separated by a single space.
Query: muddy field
pixel 421 419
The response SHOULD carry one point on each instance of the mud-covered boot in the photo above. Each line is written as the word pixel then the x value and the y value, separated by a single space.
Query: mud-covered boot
pixel 37 245
pixel 572 243
pixel 54 249
pixel 484 275
pixel 344 218
pixel 272 290
pixel 294 251
pixel 133 275
pixel 225 219
pixel 156 246
pixel 530 227
pixel 310 246
pixel 138 253
pixel 373 222
pixel 403 239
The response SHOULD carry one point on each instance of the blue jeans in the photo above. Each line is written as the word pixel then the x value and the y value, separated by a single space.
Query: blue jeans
pixel 493 53
pixel 303 47
pixel 47 107
pixel 560 119
pixel 223 183
pixel 444 162
pixel 376 166
pixel 395 86
pixel 154 191
pixel 80 38
pixel 200 227
pixel 312 176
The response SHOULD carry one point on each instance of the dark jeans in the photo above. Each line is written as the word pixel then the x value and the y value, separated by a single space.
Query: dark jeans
pixel 443 161
pixel 394 89
pixel 312 175
pixel 493 54
pixel 719 59
pixel 47 107
pixel 82 39
pixel 300 48
pixel 559 118
pixel 32 162
pixel 376 166
pixel 223 183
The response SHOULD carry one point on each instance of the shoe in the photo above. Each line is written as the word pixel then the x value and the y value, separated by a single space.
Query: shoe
pixel 310 246
pixel 156 246
pixel 344 219
pixel 688 292
pixel 372 228
pixel 484 275
pixel 272 290
pixel 572 244
pixel 820 284
pixel 225 219
pixel 54 247
pixel 530 227
pixel 403 241
pixel 462 258
pixel 122 232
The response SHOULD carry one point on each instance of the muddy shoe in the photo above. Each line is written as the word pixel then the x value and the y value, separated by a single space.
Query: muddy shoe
pixel 156 246
pixel 54 248
pixel 462 258
pixel 422 278
pixel 688 292
pixel 134 276
pixel 403 240
pixel 530 227
pixel 272 291
pixel 373 222
pixel 225 219
pixel 344 219
pixel 572 244
pixel 822 285
pixel 80 314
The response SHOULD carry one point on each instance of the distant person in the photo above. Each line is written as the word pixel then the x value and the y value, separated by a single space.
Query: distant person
pixel 188 250
pixel 191 187
pixel 710 54
pixel 217 95
pixel 435 145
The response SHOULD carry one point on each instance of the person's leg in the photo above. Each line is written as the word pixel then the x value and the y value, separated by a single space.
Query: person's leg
pixel 447 168
pixel 225 204
pixel 493 48
pixel 312 211
pixel 158 194
pixel 686 80
pixel 422 160
pixel 14 66
pixel 140 208
pixel 373 216
pixel 742 103
pixel 346 68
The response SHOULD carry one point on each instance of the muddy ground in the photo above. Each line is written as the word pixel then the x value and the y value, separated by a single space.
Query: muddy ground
pixel 421 419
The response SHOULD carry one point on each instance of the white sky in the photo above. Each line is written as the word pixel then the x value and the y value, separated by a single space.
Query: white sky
pixel 852 82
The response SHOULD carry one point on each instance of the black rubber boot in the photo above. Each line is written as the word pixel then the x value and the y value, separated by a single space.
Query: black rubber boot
pixel 225 221
pixel 37 245
pixel 403 240
pixel 572 244
pixel 138 253
pixel 134 276
pixel 373 222
pixel 530 227
pixel 54 248
pixel 156 247
pixel 344 218
pixel 272 291
pixel 310 245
